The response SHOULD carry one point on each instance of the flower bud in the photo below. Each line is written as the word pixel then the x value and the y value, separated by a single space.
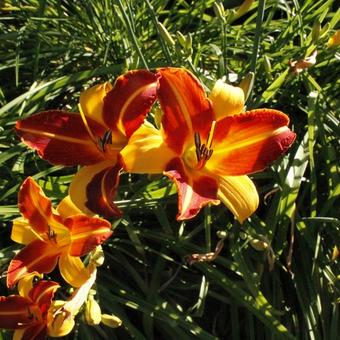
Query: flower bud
pixel 92 311
pixel 316 31
pixel 247 84
pixel 165 34
pixel 111 320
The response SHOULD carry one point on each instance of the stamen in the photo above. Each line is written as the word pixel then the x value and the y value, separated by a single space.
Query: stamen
pixel 204 151
pixel 106 139
pixel 198 146
pixel 83 117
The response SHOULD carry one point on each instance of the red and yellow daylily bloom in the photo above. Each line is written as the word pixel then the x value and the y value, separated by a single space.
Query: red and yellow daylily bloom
pixel 206 146
pixel 27 314
pixel 53 236
pixel 108 116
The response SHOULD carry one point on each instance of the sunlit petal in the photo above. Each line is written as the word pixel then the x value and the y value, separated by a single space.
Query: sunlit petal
pixel 61 137
pixel 73 270
pixel 131 98
pixel 249 142
pixel 22 231
pixel 185 106
pixel 86 233
pixel 67 208
pixel 26 283
pixel 227 100
pixel 93 189
pixel 146 152
pixel 92 101
pixel 194 190
pixel 239 194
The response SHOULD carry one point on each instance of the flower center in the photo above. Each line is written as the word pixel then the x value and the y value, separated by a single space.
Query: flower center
pixel 197 156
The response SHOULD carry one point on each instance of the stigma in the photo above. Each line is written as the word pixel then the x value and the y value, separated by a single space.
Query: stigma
pixel 204 151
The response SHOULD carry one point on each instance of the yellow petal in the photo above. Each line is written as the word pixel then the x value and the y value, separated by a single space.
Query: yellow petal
pixel 22 231
pixel 92 101
pixel 80 182
pixel 146 152
pixel 59 321
pixel 26 283
pixel 334 40
pixel 67 208
pixel 73 270
pixel 239 194
pixel 227 100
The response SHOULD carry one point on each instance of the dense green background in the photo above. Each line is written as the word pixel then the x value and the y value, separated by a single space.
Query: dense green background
pixel 51 50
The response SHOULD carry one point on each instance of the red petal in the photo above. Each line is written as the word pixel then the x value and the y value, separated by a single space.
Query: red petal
pixel 193 192
pixel 249 142
pixel 185 105
pixel 37 256
pixel 86 233
pixel 101 191
pixel 15 312
pixel 61 137
pixel 42 294
pixel 131 98
pixel 35 206
pixel 35 332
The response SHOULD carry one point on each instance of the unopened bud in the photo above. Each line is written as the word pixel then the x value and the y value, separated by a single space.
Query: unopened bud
pixel 258 245
pixel 111 320
pixel 243 8
pixel 267 64
pixel 181 39
pixel 97 256
pixel 247 84
pixel 316 30
pixel 165 34
pixel 219 10
pixel 92 311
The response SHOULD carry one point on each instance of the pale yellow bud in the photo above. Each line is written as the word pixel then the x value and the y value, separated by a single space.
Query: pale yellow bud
pixel 247 84
pixel 92 311
pixel 111 320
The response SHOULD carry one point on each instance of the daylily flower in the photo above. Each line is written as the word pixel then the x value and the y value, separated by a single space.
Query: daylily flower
pixel 27 314
pixel 61 315
pixel 108 116
pixel 206 145
pixel 53 236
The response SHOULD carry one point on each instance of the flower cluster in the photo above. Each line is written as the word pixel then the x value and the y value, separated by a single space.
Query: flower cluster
pixel 206 145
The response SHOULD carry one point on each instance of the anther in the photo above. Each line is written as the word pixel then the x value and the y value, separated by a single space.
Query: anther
pixel 198 146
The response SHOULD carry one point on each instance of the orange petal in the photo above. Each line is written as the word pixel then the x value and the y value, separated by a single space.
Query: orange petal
pixel 73 270
pixel 195 190
pixel 61 137
pixel 37 256
pixel 185 105
pixel 86 233
pixel 92 101
pixel 239 194
pixel 146 152
pixel 26 283
pixel 15 312
pixel 35 206
pixel 94 187
pixel 131 98
pixel 42 294
pixel 249 142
